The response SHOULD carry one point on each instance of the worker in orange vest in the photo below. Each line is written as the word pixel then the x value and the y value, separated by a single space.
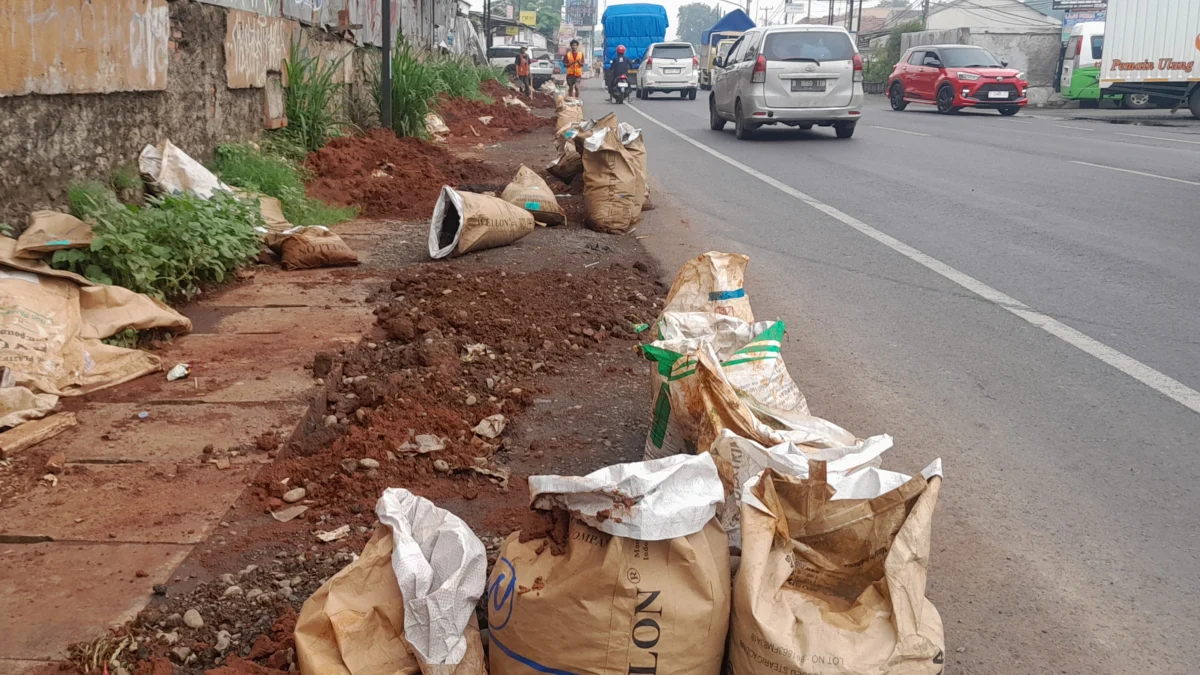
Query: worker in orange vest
pixel 574 63
pixel 524 79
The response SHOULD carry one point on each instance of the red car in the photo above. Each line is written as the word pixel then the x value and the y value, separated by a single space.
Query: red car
pixel 954 77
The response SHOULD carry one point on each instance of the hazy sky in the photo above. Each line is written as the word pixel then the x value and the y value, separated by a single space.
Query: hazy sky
pixel 819 7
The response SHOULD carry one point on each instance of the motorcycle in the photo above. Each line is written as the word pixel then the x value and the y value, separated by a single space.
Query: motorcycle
pixel 622 89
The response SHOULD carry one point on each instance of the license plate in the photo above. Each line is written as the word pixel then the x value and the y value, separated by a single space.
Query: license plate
pixel 623 85
pixel 808 85
pixel 997 94
pixel 671 71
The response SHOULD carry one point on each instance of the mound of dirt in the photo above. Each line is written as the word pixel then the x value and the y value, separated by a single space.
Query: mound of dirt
pixel 389 176
pixel 462 116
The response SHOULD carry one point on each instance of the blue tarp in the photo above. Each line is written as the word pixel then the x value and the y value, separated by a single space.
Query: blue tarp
pixel 735 20
pixel 635 25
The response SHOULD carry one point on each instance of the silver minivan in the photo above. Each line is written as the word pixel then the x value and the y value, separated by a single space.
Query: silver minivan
pixel 798 75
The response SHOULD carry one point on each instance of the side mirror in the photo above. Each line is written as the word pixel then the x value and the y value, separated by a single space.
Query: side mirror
pixel 718 62
pixel 1004 63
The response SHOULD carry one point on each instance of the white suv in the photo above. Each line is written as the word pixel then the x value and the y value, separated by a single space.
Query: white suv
pixel 540 67
pixel 668 66
pixel 799 75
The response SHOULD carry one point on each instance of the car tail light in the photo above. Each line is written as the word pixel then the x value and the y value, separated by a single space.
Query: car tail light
pixel 858 68
pixel 695 61
pixel 1078 48
pixel 760 70
pixel 649 61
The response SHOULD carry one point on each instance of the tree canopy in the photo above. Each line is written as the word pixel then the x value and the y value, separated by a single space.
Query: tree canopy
pixel 694 19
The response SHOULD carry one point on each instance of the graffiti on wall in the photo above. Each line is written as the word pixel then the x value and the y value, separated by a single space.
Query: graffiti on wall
pixel 83 47
pixel 254 45
pixel 307 11
pixel 264 7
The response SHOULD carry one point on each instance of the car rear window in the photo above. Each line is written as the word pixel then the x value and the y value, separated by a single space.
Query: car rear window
pixel 808 45
pixel 497 52
pixel 672 52
pixel 1098 47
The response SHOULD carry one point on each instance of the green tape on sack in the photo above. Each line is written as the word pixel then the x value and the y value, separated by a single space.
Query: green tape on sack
pixel 662 415
pixel 533 206
pixel 641 327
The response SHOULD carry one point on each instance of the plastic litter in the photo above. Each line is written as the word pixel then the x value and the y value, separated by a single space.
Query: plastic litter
pixel 178 372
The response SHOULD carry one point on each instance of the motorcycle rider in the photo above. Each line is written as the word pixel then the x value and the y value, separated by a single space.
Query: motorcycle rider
pixel 619 66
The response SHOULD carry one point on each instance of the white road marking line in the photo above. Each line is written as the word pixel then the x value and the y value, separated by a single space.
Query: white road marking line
pixel 899 131
pixel 1163 384
pixel 1139 173
pixel 1009 119
pixel 1160 138
pixel 1067 126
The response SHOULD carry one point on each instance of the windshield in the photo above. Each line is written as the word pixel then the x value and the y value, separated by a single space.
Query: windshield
pixel 540 54
pixel 723 48
pixel 808 46
pixel 672 52
pixel 968 57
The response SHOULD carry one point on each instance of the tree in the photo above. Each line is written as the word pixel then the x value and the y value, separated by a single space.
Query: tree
pixel 694 19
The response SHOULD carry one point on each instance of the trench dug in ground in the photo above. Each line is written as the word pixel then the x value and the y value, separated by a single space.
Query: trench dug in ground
pixel 541 332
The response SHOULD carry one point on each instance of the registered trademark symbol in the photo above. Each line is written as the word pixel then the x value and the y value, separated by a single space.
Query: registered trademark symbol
pixel 634 576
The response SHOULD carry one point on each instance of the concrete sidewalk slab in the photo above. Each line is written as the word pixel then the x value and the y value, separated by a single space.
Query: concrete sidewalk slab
pixel 56 594
pixel 131 503
pixel 273 320
pixel 295 294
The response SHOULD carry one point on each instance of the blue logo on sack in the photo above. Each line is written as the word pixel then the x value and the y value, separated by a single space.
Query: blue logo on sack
pixel 717 296
pixel 502 594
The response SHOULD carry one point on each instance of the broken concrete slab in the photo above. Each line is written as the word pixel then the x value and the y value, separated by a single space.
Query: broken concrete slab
pixel 75 591
pixel 176 504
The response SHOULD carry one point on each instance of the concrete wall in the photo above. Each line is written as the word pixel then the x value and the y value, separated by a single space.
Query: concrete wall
pixel 1034 51
pixel 1001 15
pixel 47 141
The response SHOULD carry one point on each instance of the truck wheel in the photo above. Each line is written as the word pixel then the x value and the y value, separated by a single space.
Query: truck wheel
pixel 1135 101
pixel 1194 102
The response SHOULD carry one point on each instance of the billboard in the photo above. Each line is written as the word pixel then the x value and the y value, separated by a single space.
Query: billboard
pixel 1080 4
pixel 529 18
pixel 795 7
pixel 581 12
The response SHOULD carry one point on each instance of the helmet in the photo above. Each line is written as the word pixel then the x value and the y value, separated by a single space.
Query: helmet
pixel 620 49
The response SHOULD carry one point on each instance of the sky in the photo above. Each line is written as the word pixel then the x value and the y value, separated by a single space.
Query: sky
pixel 819 7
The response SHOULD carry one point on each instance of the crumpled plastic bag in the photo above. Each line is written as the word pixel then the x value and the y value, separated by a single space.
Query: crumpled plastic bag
pixel 169 170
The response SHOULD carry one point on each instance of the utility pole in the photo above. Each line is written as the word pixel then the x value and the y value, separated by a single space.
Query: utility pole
pixel 830 19
pixel 924 14
pixel 385 73
pixel 850 17
pixel 860 4
pixel 487 23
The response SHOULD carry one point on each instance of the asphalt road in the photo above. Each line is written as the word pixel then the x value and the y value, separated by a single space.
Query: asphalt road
pixel 1011 295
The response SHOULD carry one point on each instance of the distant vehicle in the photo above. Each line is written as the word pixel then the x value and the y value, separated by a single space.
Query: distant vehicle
pixel 505 56
pixel 621 89
pixel 1080 77
pixel 799 75
pixel 1151 47
pixel 637 26
pixel 729 28
pixel 668 67
pixel 954 77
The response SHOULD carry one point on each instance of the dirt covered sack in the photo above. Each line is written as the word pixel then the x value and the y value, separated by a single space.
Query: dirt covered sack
pixel 50 231
pixel 567 165
pixel 315 246
pixel 406 605
pixel 528 191
pixel 464 221
pixel 636 582
pixel 631 138
pixel 712 282
pixel 612 192
pixel 833 573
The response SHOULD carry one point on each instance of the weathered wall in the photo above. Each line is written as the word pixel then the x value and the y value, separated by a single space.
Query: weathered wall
pixel 48 140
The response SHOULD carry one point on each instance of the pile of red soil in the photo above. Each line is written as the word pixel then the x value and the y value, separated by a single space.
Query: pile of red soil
pixel 462 116
pixel 388 176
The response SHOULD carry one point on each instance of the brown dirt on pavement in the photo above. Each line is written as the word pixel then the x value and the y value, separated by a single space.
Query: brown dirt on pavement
pixel 462 116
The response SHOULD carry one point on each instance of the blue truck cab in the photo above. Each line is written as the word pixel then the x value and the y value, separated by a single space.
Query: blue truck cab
pixel 637 26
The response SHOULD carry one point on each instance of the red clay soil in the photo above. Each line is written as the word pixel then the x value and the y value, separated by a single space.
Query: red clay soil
pixel 462 116
pixel 388 176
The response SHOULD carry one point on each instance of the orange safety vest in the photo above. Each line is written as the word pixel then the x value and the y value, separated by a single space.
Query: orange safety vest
pixel 575 64
pixel 522 65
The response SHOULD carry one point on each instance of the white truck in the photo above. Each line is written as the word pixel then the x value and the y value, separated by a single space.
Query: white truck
pixel 1153 47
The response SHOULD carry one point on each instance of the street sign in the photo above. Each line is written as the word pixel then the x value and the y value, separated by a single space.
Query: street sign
pixel 529 18
pixel 512 30
pixel 795 7
pixel 581 12
pixel 1080 4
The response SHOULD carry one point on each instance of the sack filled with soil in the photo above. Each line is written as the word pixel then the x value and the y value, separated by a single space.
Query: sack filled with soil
pixel 712 282
pixel 528 191
pixel 631 138
pixel 306 248
pixel 567 165
pixel 612 192
pixel 463 222
pixel 636 582
pixel 833 573
pixel 406 605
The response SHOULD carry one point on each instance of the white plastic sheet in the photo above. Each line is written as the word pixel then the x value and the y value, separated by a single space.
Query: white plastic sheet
pixel 170 170
pixel 650 501
pixel 440 566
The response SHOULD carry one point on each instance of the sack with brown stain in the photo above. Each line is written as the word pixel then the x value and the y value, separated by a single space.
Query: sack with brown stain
pixel 567 165
pixel 631 138
pixel 528 191
pixel 464 221
pixel 305 248
pixel 832 576
pixel 641 587
pixel 712 282
pixel 612 192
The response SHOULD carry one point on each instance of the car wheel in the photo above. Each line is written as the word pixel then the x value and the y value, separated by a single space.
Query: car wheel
pixel 683 94
pixel 1010 110
pixel 896 97
pixel 741 129
pixel 714 120
pixel 691 94
pixel 705 87
pixel 805 127
pixel 1135 101
pixel 844 129
pixel 945 101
